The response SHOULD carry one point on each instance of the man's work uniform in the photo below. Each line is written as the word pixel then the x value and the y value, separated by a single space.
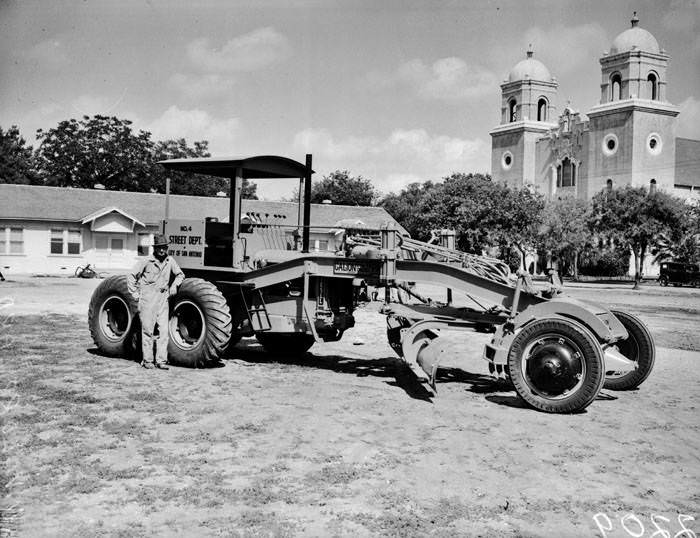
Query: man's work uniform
pixel 149 283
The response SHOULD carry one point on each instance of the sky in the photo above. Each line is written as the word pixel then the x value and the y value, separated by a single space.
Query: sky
pixel 396 91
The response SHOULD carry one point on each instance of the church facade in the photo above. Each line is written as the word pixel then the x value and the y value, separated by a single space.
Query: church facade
pixel 629 138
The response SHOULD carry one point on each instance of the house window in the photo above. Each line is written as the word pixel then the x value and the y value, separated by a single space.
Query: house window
pixel 16 241
pixel 616 87
pixel 117 243
pixel 73 241
pixel 144 244
pixel 542 110
pixel 56 241
pixel 566 174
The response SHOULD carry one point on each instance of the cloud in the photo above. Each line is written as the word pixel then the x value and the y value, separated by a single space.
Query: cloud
pixel 682 16
pixel 203 86
pixel 49 54
pixel 689 118
pixel 194 125
pixel 402 157
pixel 568 49
pixel 255 50
pixel 447 79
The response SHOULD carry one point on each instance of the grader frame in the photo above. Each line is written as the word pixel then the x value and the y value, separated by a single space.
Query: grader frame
pixel 557 352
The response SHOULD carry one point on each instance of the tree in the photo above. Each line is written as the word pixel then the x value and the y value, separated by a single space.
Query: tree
pixel 185 182
pixel 407 208
pixel 516 219
pixel 635 219
pixel 16 164
pixel 94 150
pixel 342 189
pixel 564 231
pixel 681 244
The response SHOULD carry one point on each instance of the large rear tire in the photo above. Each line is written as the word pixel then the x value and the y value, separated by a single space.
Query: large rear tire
pixel 290 344
pixel 556 366
pixel 200 324
pixel 638 347
pixel 112 317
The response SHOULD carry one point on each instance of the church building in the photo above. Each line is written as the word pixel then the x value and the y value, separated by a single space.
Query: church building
pixel 629 138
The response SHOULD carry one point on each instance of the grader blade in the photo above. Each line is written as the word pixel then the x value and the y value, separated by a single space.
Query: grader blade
pixel 422 347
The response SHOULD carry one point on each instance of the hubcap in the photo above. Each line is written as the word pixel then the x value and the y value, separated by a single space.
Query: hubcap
pixel 115 318
pixel 187 325
pixel 553 366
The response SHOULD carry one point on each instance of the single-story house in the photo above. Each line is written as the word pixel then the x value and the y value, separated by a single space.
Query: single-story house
pixel 53 230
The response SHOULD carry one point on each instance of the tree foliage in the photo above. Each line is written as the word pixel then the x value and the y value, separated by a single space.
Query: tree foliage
pixel 107 151
pixel 16 158
pixel 564 232
pixel 185 182
pixel 483 213
pixel 635 219
pixel 342 189
pixel 407 208
pixel 95 150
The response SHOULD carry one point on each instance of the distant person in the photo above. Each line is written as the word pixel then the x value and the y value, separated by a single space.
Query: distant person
pixel 150 283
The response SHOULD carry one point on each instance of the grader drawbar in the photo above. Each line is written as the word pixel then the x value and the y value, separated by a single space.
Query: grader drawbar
pixel 252 275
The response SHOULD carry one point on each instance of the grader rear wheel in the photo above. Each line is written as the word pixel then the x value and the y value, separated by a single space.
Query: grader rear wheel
pixel 638 347
pixel 556 366
pixel 112 317
pixel 200 324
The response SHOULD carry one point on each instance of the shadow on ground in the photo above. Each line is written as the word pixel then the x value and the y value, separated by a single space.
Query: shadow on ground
pixel 392 368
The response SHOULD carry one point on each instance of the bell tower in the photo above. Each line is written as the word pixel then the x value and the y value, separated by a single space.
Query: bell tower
pixel 527 114
pixel 633 129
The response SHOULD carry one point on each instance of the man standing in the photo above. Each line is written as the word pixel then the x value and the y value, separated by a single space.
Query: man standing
pixel 151 283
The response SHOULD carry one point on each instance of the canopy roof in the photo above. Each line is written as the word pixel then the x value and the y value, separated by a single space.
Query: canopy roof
pixel 260 167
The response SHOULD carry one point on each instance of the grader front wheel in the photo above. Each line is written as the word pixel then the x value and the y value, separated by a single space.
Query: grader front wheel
pixel 556 366
pixel 200 324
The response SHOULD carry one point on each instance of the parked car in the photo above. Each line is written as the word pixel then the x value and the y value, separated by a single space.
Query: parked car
pixel 679 274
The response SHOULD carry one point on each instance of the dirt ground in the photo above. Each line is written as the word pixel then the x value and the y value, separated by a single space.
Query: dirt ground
pixel 341 442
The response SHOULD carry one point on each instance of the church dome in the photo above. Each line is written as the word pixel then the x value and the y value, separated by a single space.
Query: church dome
pixel 635 38
pixel 529 68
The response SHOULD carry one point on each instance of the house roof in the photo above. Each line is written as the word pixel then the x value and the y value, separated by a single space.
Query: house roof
pixel 39 203
pixel 687 162
pixel 106 211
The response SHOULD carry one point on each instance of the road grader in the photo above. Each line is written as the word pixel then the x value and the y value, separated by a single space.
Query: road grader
pixel 557 352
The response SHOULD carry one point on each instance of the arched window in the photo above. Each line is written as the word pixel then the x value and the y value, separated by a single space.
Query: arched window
pixel 542 109
pixel 566 174
pixel 615 87
pixel 653 87
pixel 512 111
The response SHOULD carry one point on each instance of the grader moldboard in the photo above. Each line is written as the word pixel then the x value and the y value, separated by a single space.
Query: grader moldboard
pixel 254 277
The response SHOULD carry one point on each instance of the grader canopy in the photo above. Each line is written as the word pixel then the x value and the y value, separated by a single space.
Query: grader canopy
pixel 557 352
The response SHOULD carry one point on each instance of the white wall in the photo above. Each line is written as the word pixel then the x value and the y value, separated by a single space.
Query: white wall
pixel 36 257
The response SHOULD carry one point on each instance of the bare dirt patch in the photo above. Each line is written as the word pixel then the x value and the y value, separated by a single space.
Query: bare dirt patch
pixel 341 442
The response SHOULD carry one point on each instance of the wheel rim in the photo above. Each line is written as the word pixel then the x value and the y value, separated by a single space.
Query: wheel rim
pixel 115 318
pixel 187 325
pixel 553 366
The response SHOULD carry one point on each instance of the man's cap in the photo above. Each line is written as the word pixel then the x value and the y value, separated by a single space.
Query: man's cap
pixel 160 240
